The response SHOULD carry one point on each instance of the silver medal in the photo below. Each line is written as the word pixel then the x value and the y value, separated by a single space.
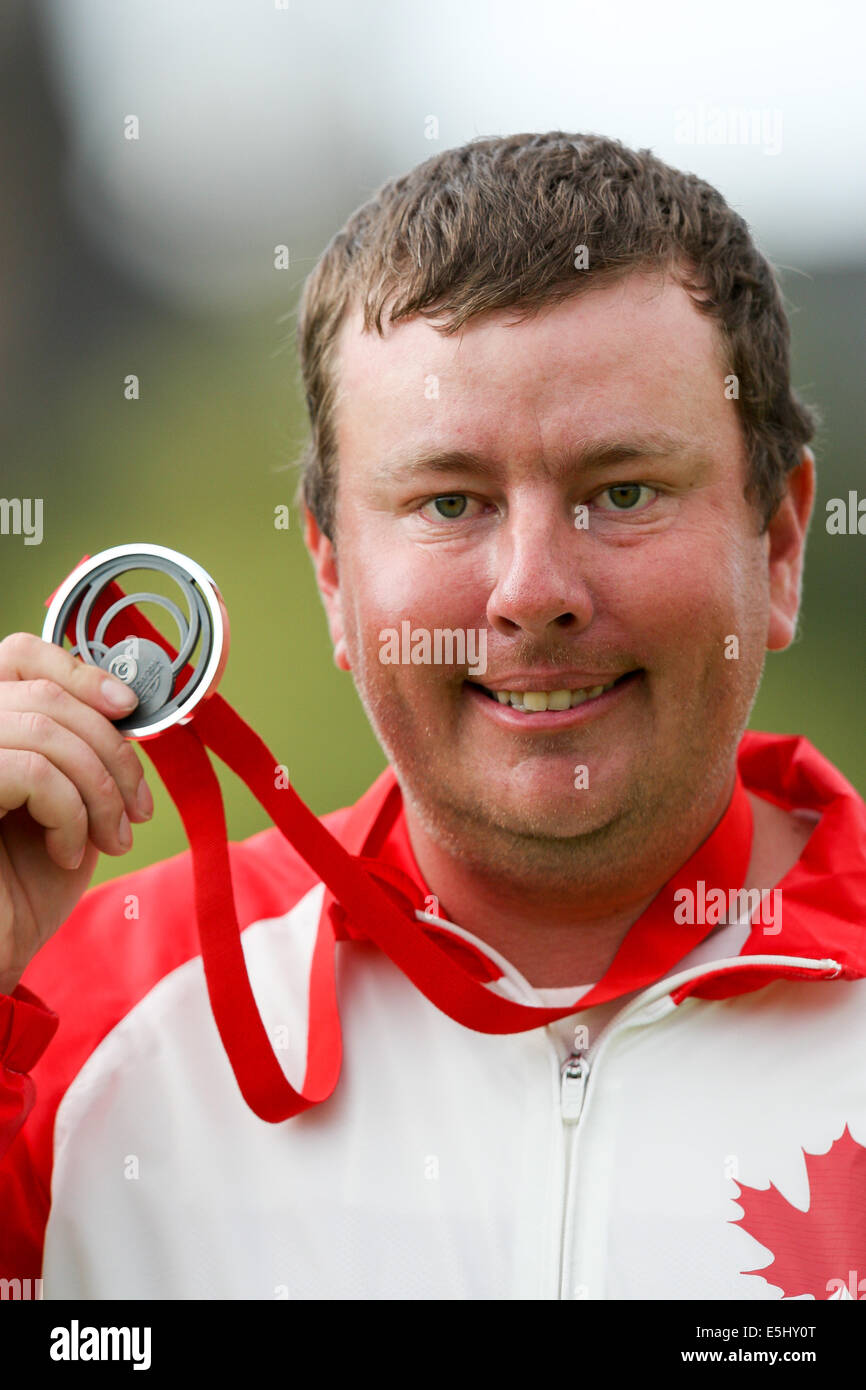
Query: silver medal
pixel 140 663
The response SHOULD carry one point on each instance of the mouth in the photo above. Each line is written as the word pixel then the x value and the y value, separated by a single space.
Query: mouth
pixel 529 702
pixel 552 708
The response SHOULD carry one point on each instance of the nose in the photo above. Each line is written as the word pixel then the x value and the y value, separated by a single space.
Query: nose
pixel 540 561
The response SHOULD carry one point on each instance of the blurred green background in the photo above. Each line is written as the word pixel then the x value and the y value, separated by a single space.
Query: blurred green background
pixel 201 460
pixel 198 464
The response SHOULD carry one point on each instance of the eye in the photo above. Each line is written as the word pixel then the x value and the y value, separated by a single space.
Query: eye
pixel 626 497
pixel 449 506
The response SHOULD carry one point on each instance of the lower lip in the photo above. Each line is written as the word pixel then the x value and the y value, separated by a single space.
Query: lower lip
pixel 541 720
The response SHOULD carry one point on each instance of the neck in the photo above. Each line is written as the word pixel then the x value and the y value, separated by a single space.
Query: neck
pixel 557 938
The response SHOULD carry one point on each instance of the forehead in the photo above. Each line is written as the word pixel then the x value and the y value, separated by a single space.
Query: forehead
pixel 622 353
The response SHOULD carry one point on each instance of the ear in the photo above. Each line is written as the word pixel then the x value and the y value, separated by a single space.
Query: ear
pixel 786 534
pixel 324 560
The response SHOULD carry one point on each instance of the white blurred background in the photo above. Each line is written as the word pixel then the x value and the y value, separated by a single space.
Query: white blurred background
pixel 269 120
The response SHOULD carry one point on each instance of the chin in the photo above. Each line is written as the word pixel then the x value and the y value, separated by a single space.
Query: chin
pixel 524 809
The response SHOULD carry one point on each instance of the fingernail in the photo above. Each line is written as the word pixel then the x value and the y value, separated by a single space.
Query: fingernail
pixel 118 695
pixel 124 831
pixel 144 800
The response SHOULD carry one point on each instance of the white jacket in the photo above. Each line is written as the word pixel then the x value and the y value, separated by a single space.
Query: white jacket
pixel 690 1147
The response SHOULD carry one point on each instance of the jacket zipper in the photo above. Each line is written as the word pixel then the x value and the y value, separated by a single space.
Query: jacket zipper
pixel 578 1067
pixel 575 1073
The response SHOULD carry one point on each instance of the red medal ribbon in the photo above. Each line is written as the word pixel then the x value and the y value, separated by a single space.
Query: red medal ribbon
pixel 376 902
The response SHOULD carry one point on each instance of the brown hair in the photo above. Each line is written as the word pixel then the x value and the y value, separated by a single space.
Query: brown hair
pixel 496 222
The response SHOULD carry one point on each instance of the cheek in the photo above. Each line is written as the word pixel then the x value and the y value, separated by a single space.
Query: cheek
pixel 690 595
pixel 430 590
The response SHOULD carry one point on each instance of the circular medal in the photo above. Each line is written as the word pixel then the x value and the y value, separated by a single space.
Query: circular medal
pixel 144 665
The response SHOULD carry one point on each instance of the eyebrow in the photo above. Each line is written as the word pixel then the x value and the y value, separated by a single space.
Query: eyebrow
pixel 585 457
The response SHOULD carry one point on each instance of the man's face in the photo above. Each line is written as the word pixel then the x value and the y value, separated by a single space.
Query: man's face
pixel 601 536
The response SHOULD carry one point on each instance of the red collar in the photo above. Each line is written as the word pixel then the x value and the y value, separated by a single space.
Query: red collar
pixel 375 830
pixel 823 895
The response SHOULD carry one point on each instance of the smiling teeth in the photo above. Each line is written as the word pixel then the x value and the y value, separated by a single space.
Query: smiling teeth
pixel 535 701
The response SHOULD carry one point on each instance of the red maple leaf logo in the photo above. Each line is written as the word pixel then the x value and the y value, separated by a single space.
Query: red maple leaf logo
pixel 822 1250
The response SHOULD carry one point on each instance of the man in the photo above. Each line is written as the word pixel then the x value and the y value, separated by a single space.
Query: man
pixel 557 495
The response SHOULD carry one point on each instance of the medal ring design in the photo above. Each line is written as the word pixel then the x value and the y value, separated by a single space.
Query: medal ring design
pixel 143 664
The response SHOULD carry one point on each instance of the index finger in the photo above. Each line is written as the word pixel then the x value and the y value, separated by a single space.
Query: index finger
pixel 23 656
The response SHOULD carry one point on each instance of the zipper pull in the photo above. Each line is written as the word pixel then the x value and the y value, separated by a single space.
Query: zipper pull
pixel 575 1071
